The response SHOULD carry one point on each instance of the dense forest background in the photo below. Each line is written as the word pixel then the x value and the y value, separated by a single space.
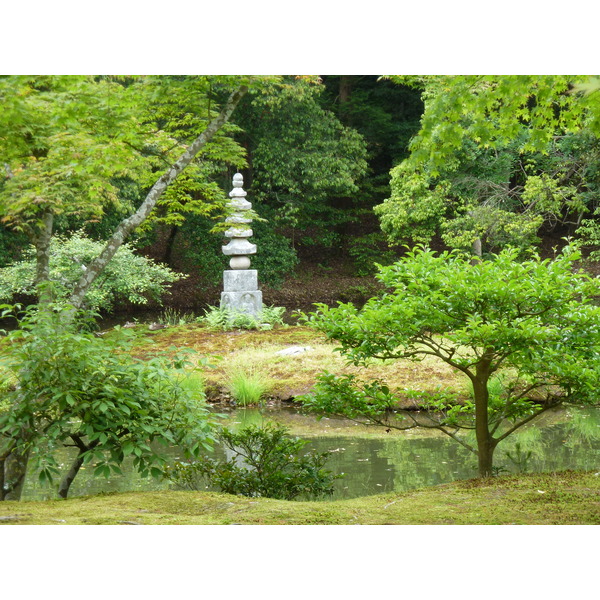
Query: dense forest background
pixel 331 166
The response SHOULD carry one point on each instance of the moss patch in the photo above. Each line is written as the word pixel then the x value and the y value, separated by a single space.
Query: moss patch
pixel 293 375
pixel 565 498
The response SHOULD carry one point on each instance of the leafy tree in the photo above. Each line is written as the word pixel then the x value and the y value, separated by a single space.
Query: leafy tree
pixel 66 140
pixel 74 389
pixel 265 462
pixel 532 326
pixel 304 164
pixel 495 158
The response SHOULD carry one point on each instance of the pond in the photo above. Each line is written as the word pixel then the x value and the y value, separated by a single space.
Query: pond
pixel 373 461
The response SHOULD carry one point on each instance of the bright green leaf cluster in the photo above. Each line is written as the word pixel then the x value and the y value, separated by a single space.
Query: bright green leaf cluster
pixel 128 277
pixel 265 462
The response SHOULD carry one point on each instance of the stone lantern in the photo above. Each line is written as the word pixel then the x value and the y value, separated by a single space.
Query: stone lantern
pixel 240 283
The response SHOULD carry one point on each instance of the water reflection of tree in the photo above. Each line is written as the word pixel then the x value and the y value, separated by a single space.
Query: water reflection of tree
pixel 425 461
pixel 570 444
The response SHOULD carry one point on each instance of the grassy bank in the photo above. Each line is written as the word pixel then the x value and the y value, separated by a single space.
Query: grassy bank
pixel 565 498
pixel 257 352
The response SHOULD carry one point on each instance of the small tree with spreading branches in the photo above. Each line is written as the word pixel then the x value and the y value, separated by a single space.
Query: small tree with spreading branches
pixel 532 325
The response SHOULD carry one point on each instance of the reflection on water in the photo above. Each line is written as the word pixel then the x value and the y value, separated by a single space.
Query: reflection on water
pixel 398 461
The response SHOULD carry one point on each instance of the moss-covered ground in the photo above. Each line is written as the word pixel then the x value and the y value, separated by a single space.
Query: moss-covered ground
pixel 565 498
pixel 289 376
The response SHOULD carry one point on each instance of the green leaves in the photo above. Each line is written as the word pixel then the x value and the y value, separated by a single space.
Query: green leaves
pixel 128 276
pixel 80 390
pixel 492 162
pixel 265 461
pixel 302 157
pixel 535 317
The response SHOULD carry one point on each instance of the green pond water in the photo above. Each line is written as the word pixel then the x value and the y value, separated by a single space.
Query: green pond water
pixel 375 462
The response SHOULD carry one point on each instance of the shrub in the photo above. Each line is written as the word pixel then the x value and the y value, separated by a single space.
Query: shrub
pixel 128 276
pixel 265 462
pixel 201 249
pixel 226 319
pixel 76 389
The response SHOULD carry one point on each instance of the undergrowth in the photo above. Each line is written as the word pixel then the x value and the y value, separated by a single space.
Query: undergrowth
pixel 225 319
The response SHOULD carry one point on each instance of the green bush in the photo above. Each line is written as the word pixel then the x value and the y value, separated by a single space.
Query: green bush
pixel 265 462
pixel 77 389
pixel 127 276
pixel 275 257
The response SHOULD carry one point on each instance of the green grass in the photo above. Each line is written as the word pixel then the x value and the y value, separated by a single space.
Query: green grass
pixel 246 387
pixel 565 498
pixel 294 375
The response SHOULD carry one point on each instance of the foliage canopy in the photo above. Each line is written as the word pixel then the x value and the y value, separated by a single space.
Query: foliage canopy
pixel 532 324
pixel 496 158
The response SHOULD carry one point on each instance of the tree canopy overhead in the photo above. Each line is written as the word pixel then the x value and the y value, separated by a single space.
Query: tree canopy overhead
pixel 69 142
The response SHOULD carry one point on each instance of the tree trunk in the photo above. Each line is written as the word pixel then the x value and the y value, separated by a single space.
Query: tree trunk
pixel 65 484
pixel 42 258
pixel 5 454
pixel 14 471
pixel 345 88
pixel 485 442
pixel 168 256
pixel 344 93
pixel 129 224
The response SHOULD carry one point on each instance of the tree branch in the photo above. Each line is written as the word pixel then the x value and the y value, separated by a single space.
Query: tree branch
pixel 526 420
pixel 130 223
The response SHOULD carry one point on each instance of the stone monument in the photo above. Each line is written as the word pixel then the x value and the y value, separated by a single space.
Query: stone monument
pixel 240 283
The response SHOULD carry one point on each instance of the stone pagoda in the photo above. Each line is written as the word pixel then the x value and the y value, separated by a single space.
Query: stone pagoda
pixel 240 283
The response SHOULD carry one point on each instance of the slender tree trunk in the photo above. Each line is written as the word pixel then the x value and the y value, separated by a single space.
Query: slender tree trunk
pixel 13 476
pixel 168 256
pixel 477 246
pixel 344 93
pixel 65 484
pixel 129 224
pixel 485 442
pixel 345 88
pixel 5 454
pixel 42 258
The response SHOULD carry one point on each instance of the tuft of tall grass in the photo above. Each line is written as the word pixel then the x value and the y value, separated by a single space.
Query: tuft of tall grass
pixel 174 317
pixel 248 388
